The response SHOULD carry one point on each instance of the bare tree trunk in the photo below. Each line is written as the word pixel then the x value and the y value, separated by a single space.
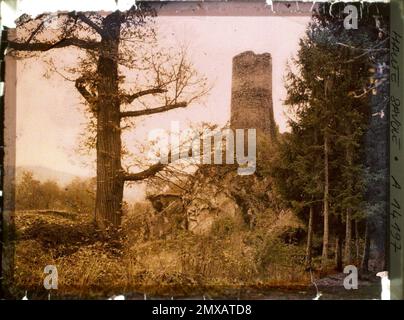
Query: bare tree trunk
pixel 326 204
pixel 348 220
pixel 338 253
pixel 109 171
pixel 357 254
pixel 348 237
pixel 366 250
pixel 309 239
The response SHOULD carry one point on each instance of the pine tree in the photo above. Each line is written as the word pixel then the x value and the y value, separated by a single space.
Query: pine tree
pixel 327 93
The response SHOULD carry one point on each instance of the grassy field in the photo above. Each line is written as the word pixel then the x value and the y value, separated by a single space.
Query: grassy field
pixel 230 261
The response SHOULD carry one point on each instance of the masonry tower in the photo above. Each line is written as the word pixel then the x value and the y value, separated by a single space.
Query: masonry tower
pixel 251 96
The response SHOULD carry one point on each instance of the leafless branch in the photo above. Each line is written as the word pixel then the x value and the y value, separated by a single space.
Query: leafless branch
pixel 45 46
pixel 366 91
pixel 162 178
pixel 148 173
pixel 130 98
pixel 366 51
pixel 150 111
pixel 87 21
pixel 35 32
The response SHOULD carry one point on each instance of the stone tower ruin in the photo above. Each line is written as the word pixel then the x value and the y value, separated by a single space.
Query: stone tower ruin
pixel 251 96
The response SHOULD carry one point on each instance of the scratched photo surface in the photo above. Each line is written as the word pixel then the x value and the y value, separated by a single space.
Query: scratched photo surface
pixel 202 150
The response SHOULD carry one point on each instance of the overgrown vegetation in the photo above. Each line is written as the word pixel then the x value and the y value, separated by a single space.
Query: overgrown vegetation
pixel 231 260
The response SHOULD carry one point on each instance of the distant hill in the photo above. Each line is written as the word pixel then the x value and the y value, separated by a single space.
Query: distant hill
pixel 42 174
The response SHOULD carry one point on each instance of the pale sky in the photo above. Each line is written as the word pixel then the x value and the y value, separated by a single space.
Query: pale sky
pixel 50 116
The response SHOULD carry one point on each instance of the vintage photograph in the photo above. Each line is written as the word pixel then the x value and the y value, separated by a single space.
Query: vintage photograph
pixel 197 150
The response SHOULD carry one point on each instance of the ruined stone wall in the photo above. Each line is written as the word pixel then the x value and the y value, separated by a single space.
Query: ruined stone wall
pixel 251 96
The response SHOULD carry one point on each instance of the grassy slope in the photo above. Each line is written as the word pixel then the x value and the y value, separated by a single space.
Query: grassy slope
pixel 230 261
